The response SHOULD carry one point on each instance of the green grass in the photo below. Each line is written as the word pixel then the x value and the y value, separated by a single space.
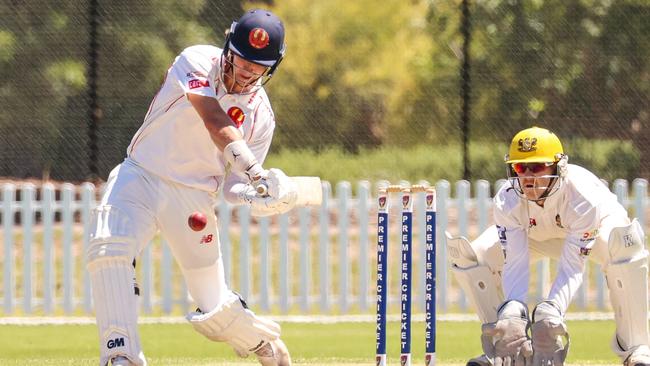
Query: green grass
pixel 310 344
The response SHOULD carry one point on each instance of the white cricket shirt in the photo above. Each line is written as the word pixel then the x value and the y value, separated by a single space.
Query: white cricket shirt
pixel 173 141
pixel 574 213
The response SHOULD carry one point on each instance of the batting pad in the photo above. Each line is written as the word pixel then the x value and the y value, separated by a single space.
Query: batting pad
pixel 479 282
pixel 234 324
pixel 116 309
pixel 110 265
pixel 627 279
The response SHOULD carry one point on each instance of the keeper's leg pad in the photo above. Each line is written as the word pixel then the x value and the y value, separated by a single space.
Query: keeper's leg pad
pixel 478 280
pixel 627 279
pixel 109 260
pixel 232 323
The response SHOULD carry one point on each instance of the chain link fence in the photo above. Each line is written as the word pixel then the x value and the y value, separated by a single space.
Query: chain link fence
pixel 76 77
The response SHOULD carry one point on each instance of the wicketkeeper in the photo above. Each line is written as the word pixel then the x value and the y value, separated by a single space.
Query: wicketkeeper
pixel 550 208
pixel 208 128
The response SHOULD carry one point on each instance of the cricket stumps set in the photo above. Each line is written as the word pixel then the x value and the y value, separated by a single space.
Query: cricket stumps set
pixel 406 261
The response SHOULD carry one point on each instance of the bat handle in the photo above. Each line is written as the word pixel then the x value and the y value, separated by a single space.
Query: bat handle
pixel 261 188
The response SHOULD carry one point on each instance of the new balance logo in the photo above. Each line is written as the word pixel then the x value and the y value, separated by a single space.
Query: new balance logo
pixel 117 342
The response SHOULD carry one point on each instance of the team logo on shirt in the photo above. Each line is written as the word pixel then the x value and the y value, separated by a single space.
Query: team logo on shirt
pixel 531 222
pixel 589 236
pixel 585 251
pixel 258 38
pixel 237 116
pixel 502 234
pixel 198 83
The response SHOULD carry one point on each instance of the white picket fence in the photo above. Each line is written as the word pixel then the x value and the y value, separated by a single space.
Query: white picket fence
pixel 310 261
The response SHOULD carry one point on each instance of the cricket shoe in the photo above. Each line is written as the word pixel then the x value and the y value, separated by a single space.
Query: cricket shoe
pixel 639 357
pixel 481 360
pixel 274 353
pixel 121 361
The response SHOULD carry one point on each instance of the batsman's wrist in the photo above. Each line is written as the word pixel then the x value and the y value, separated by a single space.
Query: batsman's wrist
pixel 241 159
pixel 255 172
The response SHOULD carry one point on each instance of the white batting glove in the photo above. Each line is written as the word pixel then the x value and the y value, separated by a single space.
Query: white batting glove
pixel 281 195
pixel 280 186
pixel 548 330
pixel 506 341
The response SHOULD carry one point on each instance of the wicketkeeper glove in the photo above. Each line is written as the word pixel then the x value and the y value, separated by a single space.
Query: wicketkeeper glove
pixel 506 341
pixel 548 329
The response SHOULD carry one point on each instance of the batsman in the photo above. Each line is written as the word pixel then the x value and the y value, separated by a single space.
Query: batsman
pixel 209 128
pixel 552 209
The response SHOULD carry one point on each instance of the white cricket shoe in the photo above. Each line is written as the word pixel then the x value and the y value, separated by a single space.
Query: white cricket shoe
pixel 481 360
pixel 121 361
pixel 639 357
pixel 274 353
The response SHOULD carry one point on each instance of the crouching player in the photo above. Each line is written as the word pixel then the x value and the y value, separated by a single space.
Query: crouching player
pixel 558 210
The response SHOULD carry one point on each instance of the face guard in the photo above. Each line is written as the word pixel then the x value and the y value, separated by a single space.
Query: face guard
pixel 246 81
pixel 544 185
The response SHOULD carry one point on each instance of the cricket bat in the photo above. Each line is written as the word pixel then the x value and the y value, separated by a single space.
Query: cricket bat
pixel 310 190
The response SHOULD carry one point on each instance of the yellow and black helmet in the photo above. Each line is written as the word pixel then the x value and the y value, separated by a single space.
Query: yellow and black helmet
pixel 535 145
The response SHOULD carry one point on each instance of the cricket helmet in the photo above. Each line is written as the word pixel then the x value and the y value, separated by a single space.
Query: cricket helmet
pixel 258 37
pixel 535 145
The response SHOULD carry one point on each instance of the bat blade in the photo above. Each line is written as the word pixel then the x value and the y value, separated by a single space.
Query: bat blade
pixel 310 191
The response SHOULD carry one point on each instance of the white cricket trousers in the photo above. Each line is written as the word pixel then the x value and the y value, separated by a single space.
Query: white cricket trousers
pixel 154 204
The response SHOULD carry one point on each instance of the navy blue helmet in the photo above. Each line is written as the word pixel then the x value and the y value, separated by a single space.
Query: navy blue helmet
pixel 258 36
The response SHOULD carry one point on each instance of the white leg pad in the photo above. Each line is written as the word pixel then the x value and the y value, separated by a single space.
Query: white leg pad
pixel 233 323
pixel 110 265
pixel 480 282
pixel 627 279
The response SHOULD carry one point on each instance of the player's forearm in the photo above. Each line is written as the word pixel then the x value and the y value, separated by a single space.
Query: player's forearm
pixel 222 135
pixel 516 269
pixel 570 275
pixel 219 126
pixel 237 154
pixel 225 136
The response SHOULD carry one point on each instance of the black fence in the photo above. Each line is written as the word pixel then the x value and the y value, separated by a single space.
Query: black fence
pixel 76 77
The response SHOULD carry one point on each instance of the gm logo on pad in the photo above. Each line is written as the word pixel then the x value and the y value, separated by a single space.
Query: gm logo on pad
pixel 117 342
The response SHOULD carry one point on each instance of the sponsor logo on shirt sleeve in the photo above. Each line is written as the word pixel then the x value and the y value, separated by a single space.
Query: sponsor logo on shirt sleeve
pixel 589 236
pixel 198 83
